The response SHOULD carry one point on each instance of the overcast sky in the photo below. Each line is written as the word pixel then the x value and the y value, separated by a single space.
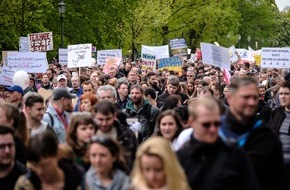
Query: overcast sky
pixel 282 4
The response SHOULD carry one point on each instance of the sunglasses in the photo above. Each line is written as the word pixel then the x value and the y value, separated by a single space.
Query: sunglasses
pixel 207 125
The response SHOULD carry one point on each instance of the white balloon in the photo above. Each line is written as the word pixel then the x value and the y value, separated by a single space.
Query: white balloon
pixel 21 78
pixel 93 61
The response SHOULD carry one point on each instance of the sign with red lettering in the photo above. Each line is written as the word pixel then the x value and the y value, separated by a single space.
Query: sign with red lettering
pixel 40 42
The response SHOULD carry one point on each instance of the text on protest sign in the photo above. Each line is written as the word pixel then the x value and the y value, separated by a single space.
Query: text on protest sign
pixel 40 41
pixel 215 55
pixel 275 57
pixel 31 62
pixel 102 55
pixel 148 61
pixel 172 63
pixel 23 44
pixel 6 76
pixel 62 56
pixel 157 51
pixel 79 55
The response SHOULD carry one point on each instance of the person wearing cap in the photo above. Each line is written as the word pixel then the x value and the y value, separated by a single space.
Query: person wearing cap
pixel 62 82
pixel 15 94
pixel 55 115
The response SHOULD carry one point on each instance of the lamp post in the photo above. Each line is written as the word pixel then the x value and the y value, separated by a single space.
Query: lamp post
pixel 239 38
pixel 61 10
pixel 249 40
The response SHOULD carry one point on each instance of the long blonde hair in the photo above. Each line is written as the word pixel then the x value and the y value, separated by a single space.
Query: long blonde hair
pixel 175 176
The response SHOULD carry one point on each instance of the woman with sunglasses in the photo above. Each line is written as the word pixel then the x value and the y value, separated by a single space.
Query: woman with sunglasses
pixel 107 171
pixel 156 167
pixel 82 128
pixel 169 126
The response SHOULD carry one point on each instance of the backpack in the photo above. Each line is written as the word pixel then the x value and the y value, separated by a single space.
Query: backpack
pixel 51 119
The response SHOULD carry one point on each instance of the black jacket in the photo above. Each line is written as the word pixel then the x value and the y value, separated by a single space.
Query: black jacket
pixel 164 95
pixel 277 117
pixel 263 148
pixel 235 172
pixel 146 115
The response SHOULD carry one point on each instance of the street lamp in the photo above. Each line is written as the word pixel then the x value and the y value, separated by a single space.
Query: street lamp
pixel 249 40
pixel 239 38
pixel 61 10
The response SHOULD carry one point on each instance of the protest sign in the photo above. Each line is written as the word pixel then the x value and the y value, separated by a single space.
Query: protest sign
pixel 6 76
pixel 111 62
pixel 178 47
pixel 172 63
pixel 79 55
pixel 275 57
pixel 233 54
pixel 157 51
pixel 102 55
pixel 40 41
pixel 23 44
pixel 62 56
pixel 148 61
pixel 31 62
pixel 215 55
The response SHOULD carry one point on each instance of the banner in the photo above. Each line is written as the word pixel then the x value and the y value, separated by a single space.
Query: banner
pixel 62 56
pixel 157 51
pixel 172 63
pixel 215 55
pixel 40 41
pixel 79 55
pixel 24 44
pixel 178 47
pixel 275 57
pixel 31 62
pixel 102 55
pixel 148 61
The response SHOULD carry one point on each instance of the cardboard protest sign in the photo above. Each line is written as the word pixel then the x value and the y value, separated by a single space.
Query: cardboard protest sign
pixel 102 55
pixel 172 63
pixel 62 56
pixel 45 93
pixel 31 62
pixel 23 44
pixel 157 51
pixel 79 55
pixel 111 62
pixel 275 57
pixel 40 41
pixel 178 47
pixel 215 55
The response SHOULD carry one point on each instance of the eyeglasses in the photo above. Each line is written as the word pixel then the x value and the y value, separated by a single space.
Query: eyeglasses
pixel 207 125
pixel 189 75
pixel 3 146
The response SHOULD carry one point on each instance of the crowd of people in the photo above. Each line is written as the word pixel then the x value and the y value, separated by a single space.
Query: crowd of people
pixel 137 128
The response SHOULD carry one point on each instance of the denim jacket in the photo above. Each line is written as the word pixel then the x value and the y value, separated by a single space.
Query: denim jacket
pixel 55 122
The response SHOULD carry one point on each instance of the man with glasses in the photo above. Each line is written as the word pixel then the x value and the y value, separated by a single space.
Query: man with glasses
pixel 240 126
pixel 10 169
pixel 208 162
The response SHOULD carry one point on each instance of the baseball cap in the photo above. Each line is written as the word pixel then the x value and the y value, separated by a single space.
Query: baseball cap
pixel 59 93
pixel 16 88
pixel 61 77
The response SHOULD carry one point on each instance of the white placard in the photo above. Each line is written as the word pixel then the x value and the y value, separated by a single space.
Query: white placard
pixel 40 41
pixel 148 61
pixel 31 62
pixel 79 55
pixel 102 55
pixel 62 56
pixel 275 57
pixel 215 55
pixel 6 76
pixel 158 51
pixel 233 54
pixel 23 44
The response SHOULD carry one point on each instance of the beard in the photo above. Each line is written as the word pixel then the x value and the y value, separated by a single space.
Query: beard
pixel 137 101
pixel 6 165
